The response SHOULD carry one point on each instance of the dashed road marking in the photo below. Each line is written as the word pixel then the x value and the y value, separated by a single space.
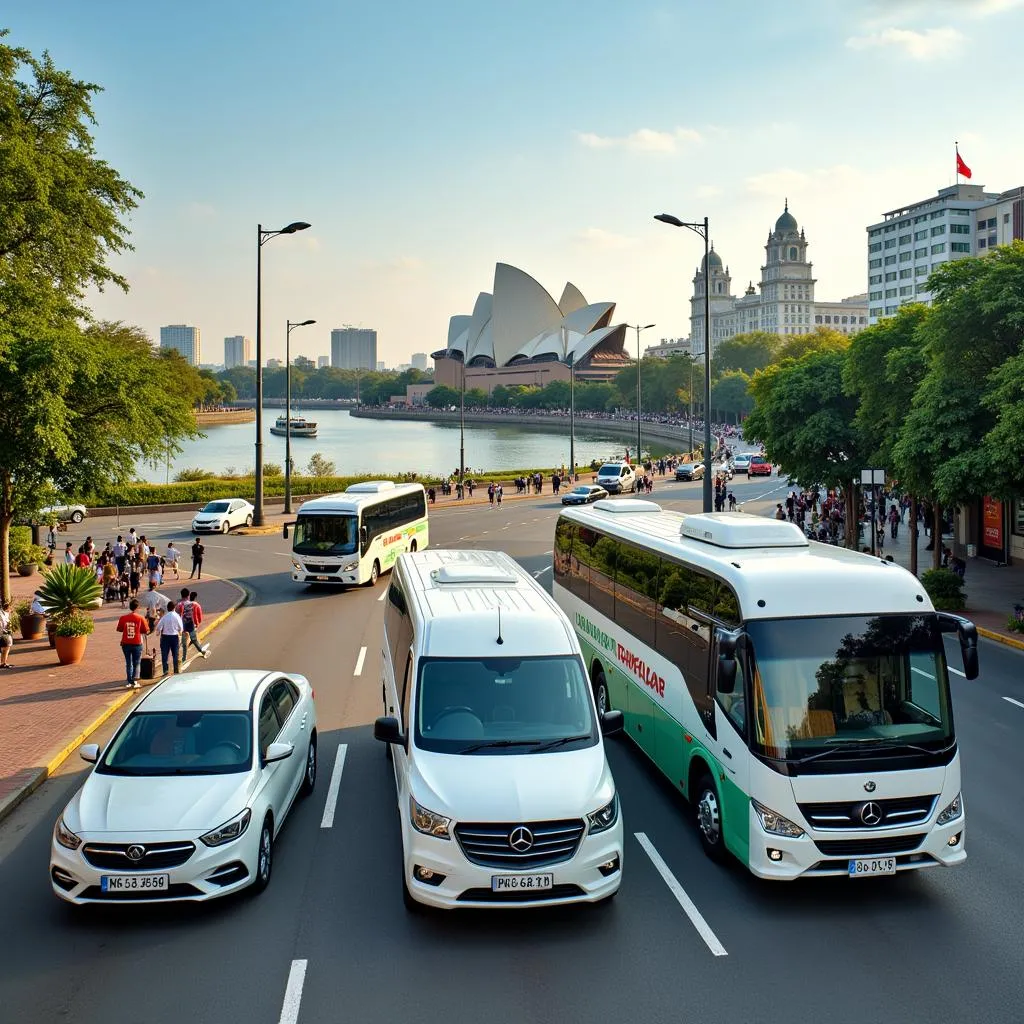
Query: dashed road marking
pixel 540 572
pixel 327 821
pixel 383 594
pixel 1013 700
pixel 957 672
pixel 293 993
pixel 359 661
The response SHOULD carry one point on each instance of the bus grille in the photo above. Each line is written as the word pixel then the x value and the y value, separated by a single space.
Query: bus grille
pixel 846 815
pixel 868 847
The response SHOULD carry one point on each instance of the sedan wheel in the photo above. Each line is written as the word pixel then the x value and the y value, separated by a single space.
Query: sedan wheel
pixel 76 516
pixel 265 856
pixel 248 519
pixel 225 527
pixel 309 778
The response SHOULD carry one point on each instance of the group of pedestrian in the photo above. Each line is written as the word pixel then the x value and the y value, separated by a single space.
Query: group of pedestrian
pixel 174 623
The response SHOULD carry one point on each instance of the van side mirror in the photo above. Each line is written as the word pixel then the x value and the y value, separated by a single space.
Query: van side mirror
pixel 387 730
pixel 967 634
pixel 284 529
pixel 611 723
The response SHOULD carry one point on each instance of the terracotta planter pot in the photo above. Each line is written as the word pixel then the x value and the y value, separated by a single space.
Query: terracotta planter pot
pixel 33 627
pixel 70 649
pixel 27 570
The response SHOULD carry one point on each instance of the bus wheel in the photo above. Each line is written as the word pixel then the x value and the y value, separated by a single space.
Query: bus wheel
pixel 601 698
pixel 374 574
pixel 709 819
pixel 412 546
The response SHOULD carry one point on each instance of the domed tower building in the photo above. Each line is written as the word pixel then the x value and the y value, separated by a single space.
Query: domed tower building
pixel 722 302
pixel 787 284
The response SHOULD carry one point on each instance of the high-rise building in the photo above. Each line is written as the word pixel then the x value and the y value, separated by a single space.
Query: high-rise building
pixel 237 351
pixel 381 366
pixel 354 348
pixel 322 361
pixel 419 360
pixel 184 340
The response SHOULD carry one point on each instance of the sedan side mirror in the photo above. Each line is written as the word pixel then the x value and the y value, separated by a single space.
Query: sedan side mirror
pixel 387 730
pixel 89 752
pixel 611 723
pixel 278 752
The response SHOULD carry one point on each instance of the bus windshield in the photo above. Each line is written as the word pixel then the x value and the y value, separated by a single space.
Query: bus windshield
pixel 819 684
pixel 326 535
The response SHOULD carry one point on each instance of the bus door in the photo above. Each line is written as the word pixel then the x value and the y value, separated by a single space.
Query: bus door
pixel 729 746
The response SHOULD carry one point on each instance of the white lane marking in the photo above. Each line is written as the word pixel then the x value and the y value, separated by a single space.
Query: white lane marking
pixel 679 892
pixel 293 993
pixel 327 821
pixel 957 672
pixel 359 661
pixel 383 594
pixel 1012 700
pixel 540 572
pixel 921 672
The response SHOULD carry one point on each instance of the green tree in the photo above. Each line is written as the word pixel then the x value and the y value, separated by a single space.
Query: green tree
pixel 500 397
pixel 594 397
pixel 1004 443
pixel 730 395
pixel 476 398
pixel 242 379
pixel 821 339
pixel 442 396
pixel 747 353
pixel 79 408
pixel 319 466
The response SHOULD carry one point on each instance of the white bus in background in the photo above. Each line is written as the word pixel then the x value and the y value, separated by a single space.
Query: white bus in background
pixel 352 537
pixel 796 693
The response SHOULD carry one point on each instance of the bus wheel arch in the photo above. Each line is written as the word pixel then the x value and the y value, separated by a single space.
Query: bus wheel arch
pixel 599 684
pixel 706 800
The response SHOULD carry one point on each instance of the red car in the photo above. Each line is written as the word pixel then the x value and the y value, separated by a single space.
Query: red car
pixel 759 466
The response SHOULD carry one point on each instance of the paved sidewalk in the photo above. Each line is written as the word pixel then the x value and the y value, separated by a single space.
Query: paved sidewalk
pixel 47 709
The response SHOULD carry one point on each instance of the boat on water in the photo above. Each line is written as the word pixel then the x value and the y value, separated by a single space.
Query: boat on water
pixel 301 427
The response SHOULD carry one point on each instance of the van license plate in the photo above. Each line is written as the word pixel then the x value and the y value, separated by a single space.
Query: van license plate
pixel 517 883
pixel 134 883
pixel 863 867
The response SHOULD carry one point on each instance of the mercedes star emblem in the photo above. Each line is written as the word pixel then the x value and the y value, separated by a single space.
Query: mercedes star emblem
pixel 871 814
pixel 869 787
pixel 136 853
pixel 520 839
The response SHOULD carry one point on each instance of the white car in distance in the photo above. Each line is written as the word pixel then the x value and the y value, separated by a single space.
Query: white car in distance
pixel 188 797
pixel 221 515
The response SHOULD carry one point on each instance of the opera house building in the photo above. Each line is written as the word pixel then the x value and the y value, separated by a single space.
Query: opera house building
pixel 518 335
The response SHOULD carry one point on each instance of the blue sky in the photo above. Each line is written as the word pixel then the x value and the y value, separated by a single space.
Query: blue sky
pixel 426 142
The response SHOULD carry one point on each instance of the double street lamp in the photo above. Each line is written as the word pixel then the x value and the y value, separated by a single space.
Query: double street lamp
pixel 701 228
pixel 263 236
pixel 570 358
pixel 638 329
pixel 290 326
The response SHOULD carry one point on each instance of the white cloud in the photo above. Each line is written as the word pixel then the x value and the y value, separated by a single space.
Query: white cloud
pixel 644 140
pixel 708 192
pixel 926 45
pixel 783 182
pixel 598 238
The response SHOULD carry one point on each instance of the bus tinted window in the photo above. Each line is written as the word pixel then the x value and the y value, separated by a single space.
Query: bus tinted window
pixel 681 636
pixel 636 591
pixel 563 549
pixel 598 553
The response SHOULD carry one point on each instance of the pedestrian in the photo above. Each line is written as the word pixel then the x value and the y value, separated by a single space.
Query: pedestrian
pixel 732 502
pixel 36 608
pixel 133 538
pixel 82 559
pixel 170 629
pixel 470 485
pixel 51 539
pixel 132 627
pixel 152 605
pixel 69 555
pixel 894 521
pixel 498 493
pixel 172 556
pixel 198 550
pixel 123 587
pixel 490 492
pixel 120 551
pixel 134 577
pixel 779 512
pixel 191 616
pixel 6 634
pixel 89 547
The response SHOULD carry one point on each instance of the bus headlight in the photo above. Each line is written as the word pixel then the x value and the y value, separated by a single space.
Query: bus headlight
pixel 427 822
pixel 297 566
pixel 775 823
pixel 952 812
pixel 351 567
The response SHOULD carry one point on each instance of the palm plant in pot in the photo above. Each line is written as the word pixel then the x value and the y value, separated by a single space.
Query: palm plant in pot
pixel 66 594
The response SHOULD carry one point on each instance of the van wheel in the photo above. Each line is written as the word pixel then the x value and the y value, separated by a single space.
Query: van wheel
pixel 709 819
pixel 601 698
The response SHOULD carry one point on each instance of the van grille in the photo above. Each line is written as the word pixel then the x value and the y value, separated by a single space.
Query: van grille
pixel 846 815
pixel 491 845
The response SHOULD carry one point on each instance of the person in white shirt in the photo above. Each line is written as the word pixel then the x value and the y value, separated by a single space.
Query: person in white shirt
pixel 37 605
pixel 170 628
pixel 69 555
pixel 172 556
pixel 152 604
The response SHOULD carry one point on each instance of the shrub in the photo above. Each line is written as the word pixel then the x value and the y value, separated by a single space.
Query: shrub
pixel 320 466
pixel 945 588
pixel 77 624
pixel 193 473
pixel 272 469
pixel 1015 625
pixel 19 546
pixel 68 590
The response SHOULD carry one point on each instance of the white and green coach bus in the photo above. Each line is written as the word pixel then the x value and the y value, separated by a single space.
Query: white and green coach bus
pixel 796 693
pixel 352 537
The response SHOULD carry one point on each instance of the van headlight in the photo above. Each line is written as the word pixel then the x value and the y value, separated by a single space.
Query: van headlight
pixel 951 812
pixel 64 836
pixel 601 820
pixel 230 830
pixel 775 823
pixel 428 822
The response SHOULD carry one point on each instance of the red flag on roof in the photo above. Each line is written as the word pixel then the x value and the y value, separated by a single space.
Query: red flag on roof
pixel 961 167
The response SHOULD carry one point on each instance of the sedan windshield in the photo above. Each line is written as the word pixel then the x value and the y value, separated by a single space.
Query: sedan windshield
pixel 325 535
pixel 503 705
pixel 216 506
pixel 181 743
pixel 848 682
pixel 583 490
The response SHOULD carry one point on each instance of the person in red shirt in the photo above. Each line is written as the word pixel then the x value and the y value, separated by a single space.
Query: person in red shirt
pixel 82 559
pixel 132 627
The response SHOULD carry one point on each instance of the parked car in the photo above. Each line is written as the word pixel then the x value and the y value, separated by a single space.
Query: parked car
pixel 73 513
pixel 741 462
pixel 759 466
pixel 585 494
pixel 690 471
pixel 188 797
pixel 221 515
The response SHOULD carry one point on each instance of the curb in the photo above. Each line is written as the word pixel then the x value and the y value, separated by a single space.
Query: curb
pixel 1001 638
pixel 10 802
pixel 256 531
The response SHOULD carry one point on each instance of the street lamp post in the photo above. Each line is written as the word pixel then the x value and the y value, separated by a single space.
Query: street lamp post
pixel 701 228
pixel 571 360
pixel 462 426
pixel 638 329
pixel 690 414
pixel 289 327
pixel 263 236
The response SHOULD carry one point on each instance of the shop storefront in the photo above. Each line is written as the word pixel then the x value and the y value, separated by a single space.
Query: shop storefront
pixel 1017 530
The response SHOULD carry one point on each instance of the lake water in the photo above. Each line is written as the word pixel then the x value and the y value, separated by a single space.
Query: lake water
pixel 389 447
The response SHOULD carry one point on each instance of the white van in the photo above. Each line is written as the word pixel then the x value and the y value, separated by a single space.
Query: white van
pixel 504 794
pixel 617 477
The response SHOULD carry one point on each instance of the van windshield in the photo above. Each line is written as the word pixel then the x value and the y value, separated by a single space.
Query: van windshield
pixel 609 469
pixel 503 705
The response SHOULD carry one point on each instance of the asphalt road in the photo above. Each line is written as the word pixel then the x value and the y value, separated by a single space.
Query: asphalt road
pixel 935 945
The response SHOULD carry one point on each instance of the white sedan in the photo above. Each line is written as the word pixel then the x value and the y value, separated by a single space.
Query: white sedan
pixel 221 515
pixel 188 797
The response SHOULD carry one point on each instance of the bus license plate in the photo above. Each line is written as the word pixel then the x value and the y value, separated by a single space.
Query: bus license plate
pixel 322 579
pixel 134 883
pixel 871 866
pixel 517 883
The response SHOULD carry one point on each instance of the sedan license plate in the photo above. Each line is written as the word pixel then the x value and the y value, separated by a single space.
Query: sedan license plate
pixel 865 867
pixel 518 883
pixel 134 883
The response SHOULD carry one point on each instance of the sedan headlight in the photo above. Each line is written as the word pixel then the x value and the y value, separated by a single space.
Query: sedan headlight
pixel 64 836
pixel 229 831
pixel 952 812
pixel 601 820
pixel 427 822
pixel 775 823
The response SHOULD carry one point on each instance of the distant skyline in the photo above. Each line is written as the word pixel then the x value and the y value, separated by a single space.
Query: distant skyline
pixel 423 147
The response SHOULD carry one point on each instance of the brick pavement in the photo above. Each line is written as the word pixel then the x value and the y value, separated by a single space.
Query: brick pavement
pixel 45 706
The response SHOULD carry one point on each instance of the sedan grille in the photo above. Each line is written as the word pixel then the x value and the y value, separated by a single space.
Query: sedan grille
pixel 849 814
pixel 868 847
pixel 506 846
pixel 153 856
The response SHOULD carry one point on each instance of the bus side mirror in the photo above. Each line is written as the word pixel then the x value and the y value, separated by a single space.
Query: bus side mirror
pixel 967 634
pixel 727 645
pixel 284 529
pixel 363 534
